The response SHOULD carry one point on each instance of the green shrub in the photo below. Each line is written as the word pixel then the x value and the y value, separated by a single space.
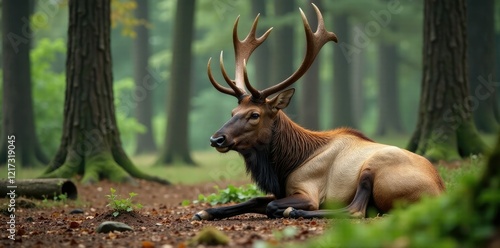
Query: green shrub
pixel 452 220
pixel 231 194
pixel 121 205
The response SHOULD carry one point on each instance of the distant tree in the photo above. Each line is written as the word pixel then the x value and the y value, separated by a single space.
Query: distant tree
pixel 481 64
pixel 283 49
pixel 17 107
pixel 309 107
pixel 90 143
pixel 358 75
pixel 341 95
pixel 176 147
pixel 445 129
pixel 260 57
pixel 389 117
pixel 144 94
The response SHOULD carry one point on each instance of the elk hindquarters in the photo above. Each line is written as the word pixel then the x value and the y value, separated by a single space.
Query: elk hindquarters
pixel 357 207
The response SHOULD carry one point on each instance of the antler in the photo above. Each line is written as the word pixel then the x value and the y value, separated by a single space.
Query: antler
pixel 315 42
pixel 242 49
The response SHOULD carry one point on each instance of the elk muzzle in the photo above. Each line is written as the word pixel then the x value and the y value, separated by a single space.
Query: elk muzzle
pixel 219 142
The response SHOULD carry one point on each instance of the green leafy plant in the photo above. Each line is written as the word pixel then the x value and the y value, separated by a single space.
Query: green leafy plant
pixel 121 205
pixel 231 194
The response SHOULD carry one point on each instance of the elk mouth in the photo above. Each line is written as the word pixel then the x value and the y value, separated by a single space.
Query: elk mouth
pixel 221 144
pixel 222 149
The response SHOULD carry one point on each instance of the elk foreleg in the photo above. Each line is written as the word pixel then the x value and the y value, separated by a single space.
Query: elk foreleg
pixel 256 205
pixel 357 207
pixel 276 209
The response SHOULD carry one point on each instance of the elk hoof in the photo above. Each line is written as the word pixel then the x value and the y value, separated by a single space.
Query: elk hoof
pixel 202 215
pixel 287 212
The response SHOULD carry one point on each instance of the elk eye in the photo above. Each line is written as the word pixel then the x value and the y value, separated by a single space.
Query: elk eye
pixel 254 116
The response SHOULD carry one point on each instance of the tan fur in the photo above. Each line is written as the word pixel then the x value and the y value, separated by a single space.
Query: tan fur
pixel 333 172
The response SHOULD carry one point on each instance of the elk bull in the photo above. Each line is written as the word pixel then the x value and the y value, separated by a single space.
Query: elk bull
pixel 301 168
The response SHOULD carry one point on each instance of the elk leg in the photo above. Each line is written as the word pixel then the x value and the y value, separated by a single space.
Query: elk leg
pixel 256 205
pixel 357 208
pixel 276 208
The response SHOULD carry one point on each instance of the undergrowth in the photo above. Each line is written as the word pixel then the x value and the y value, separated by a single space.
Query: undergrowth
pixel 229 194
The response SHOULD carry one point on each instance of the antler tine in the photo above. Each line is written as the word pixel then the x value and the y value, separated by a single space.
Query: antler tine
pixel 216 85
pixel 243 49
pixel 238 91
pixel 255 93
pixel 315 42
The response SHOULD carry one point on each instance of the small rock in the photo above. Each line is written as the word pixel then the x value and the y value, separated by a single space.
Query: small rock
pixel 76 211
pixel 109 226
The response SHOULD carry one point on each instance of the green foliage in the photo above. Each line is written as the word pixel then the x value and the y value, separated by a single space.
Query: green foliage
pixel 231 194
pixel 121 205
pixel 125 103
pixel 210 109
pixel 48 92
pixel 452 220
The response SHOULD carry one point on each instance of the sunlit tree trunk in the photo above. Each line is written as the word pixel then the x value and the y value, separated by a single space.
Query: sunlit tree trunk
pixel 90 144
pixel 176 147
pixel 143 89
pixel 18 124
pixel 445 129
pixel 341 95
pixel 481 64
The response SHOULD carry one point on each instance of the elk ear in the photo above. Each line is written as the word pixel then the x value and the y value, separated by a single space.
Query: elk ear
pixel 281 100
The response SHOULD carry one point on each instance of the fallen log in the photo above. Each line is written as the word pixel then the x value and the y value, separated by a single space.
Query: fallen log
pixel 39 188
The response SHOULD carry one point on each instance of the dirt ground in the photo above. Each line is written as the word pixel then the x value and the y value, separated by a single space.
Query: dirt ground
pixel 162 222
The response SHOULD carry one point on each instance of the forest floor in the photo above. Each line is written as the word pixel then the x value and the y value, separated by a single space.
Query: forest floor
pixel 162 222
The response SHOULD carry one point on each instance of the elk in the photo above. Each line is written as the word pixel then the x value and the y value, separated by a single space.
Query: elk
pixel 302 169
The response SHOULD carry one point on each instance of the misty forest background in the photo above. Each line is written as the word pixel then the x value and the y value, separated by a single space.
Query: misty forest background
pixel 370 80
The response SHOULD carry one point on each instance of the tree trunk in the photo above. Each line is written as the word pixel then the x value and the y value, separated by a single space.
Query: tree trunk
pixel 481 64
pixel 41 188
pixel 176 140
pixel 90 143
pixel 283 50
pixel 309 107
pixel 260 56
pixel 143 89
pixel 17 108
pixel 445 130
pixel 389 118
pixel 358 74
pixel 342 109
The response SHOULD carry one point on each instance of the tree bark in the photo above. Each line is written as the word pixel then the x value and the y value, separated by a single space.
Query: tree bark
pixel 42 188
pixel 358 75
pixel 17 108
pixel 283 51
pixel 389 118
pixel 445 130
pixel 176 148
pixel 342 109
pixel 143 90
pixel 481 64
pixel 90 143
pixel 309 107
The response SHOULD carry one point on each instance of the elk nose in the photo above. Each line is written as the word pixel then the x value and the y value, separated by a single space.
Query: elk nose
pixel 218 141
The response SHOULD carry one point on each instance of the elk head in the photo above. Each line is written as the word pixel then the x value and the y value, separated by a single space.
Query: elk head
pixel 252 120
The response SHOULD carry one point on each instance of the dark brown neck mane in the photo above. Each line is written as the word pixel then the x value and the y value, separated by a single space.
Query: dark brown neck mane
pixel 290 145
